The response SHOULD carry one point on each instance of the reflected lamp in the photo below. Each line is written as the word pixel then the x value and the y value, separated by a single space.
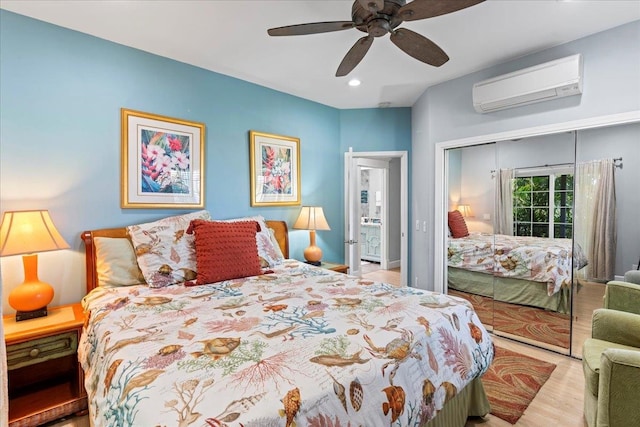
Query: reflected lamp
pixel 312 218
pixel 465 210
pixel 25 233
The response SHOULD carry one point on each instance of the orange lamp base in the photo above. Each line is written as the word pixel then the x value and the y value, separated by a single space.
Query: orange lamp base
pixel 31 297
pixel 313 254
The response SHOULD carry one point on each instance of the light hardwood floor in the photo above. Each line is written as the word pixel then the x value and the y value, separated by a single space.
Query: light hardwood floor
pixel 558 403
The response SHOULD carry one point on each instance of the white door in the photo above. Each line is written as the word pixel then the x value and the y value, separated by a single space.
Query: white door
pixel 353 174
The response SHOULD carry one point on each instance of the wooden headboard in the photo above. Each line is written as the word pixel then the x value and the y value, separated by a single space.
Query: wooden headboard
pixel 279 227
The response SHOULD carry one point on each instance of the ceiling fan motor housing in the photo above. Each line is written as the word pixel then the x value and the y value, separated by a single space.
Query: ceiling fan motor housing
pixel 377 23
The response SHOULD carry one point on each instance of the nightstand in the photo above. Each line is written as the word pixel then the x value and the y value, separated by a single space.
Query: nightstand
pixel 46 381
pixel 340 268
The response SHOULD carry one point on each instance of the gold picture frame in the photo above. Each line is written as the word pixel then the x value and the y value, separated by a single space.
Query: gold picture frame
pixel 162 162
pixel 275 169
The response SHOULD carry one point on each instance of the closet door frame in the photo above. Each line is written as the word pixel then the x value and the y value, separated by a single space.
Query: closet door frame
pixel 441 194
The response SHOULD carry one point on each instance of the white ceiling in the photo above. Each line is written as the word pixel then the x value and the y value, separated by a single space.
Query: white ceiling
pixel 230 37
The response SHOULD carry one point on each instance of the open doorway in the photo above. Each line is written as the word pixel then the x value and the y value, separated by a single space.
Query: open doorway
pixel 376 215
pixel 374 206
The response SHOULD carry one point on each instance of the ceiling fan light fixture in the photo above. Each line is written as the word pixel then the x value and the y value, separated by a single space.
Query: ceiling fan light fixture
pixel 354 82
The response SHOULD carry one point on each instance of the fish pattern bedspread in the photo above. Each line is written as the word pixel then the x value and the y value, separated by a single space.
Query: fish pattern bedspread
pixel 302 345
pixel 531 258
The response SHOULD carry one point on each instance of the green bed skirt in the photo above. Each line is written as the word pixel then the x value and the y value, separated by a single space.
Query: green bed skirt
pixel 469 402
pixel 506 289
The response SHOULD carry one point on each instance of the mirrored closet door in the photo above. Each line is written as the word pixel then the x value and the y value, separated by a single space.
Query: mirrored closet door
pixel 534 239
pixel 471 195
pixel 550 220
pixel 606 217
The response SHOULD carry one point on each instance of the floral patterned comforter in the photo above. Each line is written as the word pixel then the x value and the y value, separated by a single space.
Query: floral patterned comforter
pixel 301 346
pixel 537 259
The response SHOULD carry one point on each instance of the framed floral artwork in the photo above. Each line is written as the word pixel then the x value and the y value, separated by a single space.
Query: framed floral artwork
pixel 162 162
pixel 275 169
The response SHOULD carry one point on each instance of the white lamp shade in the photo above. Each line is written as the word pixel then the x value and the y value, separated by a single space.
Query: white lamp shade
pixel 311 218
pixel 465 210
pixel 25 232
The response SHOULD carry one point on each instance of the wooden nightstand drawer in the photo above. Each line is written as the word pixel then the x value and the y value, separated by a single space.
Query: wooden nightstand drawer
pixel 42 349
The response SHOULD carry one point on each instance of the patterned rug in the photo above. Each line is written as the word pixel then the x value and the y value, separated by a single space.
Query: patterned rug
pixel 512 381
pixel 529 322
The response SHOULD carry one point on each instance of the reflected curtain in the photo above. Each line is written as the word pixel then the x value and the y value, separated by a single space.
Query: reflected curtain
pixel 504 200
pixel 595 217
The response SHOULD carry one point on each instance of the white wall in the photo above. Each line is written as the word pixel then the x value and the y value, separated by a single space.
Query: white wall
pixel 445 112
pixel 477 187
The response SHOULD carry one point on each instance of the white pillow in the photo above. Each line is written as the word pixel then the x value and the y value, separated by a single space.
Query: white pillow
pixel 116 263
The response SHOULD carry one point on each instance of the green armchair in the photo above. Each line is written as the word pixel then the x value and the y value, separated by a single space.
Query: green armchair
pixel 622 296
pixel 611 360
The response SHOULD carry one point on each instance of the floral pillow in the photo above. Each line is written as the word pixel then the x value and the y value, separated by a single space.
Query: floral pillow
pixel 270 256
pixel 277 251
pixel 165 253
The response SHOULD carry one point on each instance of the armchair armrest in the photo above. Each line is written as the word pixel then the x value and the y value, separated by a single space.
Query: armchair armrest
pixel 618 393
pixel 623 296
pixel 616 326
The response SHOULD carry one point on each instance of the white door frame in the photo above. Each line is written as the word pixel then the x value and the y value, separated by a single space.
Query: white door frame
pixel 441 196
pixel 404 197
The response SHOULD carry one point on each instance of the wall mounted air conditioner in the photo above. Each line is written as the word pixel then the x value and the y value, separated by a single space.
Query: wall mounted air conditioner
pixel 544 82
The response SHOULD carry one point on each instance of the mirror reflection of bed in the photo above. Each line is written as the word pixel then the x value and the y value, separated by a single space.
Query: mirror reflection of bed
pixel 534 262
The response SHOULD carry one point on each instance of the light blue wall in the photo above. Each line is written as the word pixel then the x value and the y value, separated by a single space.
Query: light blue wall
pixel 387 129
pixel 61 95
pixel 445 112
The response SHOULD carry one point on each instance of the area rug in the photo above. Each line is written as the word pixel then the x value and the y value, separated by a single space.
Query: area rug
pixel 533 323
pixel 512 381
pixel 528 322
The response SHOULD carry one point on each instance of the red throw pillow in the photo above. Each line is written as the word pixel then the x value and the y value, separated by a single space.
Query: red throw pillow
pixel 457 225
pixel 225 250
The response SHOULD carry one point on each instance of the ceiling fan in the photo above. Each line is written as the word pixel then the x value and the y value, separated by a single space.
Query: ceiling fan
pixel 379 17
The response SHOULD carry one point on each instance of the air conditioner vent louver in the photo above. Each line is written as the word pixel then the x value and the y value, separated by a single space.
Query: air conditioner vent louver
pixel 551 80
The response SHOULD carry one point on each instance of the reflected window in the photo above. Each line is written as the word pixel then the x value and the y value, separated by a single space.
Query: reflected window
pixel 542 205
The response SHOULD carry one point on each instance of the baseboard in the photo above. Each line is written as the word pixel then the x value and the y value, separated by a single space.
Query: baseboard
pixel 619 278
pixel 394 264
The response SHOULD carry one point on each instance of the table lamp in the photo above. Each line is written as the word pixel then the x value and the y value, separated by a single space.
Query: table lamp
pixel 312 218
pixel 24 233
pixel 465 210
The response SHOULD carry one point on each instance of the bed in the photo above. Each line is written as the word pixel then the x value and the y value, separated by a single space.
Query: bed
pixel 294 345
pixel 530 271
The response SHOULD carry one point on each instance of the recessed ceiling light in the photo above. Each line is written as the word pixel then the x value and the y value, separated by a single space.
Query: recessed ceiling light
pixel 354 82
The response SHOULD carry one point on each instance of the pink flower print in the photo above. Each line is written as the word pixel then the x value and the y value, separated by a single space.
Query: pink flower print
pixel 153 151
pixel 164 164
pixel 181 160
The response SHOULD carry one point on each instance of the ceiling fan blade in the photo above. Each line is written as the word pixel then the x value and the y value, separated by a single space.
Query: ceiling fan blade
pixel 312 28
pixel 421 9
pixel 419 47
pixel 372 5
pixel 354 56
